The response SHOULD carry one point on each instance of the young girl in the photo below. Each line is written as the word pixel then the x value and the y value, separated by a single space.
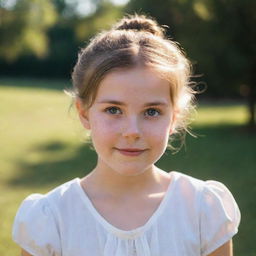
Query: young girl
pixel 132 91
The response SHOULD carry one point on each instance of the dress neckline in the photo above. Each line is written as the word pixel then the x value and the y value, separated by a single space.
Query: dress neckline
pixel 125 234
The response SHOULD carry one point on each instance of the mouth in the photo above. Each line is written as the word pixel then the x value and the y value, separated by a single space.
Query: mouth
pixel 130 151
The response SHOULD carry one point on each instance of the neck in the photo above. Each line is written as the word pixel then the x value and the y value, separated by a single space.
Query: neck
pixel 115 184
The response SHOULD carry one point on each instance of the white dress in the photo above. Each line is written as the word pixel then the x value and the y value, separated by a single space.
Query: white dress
pixel 194 218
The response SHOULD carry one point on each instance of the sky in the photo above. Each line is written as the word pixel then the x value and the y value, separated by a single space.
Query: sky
pixel 84 7
pixel 120 2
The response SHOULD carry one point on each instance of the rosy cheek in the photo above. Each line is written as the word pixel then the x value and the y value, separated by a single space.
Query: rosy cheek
pixel 159 132
pixel 107 126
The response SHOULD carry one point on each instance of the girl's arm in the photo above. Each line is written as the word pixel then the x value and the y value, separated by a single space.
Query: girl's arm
pixel 225 250
pixel 24 253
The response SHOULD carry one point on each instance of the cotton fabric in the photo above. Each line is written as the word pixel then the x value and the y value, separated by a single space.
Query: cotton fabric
pixel 194 218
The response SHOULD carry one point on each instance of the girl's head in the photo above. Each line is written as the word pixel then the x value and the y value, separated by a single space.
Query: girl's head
pixel 135 42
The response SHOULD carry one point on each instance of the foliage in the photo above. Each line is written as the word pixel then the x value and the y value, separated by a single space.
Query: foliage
pixel 23 28
pixel 64 37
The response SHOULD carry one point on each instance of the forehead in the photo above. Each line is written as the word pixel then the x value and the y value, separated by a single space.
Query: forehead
pixel 136 84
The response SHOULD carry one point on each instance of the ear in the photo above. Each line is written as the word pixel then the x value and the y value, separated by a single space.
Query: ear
pixel 173 122
pixel 83 114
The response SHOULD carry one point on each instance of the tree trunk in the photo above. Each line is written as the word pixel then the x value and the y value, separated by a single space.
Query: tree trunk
pixel 252 99
pixel 252 123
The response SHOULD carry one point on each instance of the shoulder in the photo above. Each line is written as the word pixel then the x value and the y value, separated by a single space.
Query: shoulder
pixel 217 211
pixel 219 208
pixel 200 187
pixel 63 194
pixel 56 198
pixel 36 226
pixel 206 197
pixel 187 184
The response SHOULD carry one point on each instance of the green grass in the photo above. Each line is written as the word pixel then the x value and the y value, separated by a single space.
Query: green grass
pixel 42 146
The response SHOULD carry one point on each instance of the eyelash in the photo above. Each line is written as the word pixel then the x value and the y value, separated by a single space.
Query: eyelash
pixel 107 110
pixel 156 110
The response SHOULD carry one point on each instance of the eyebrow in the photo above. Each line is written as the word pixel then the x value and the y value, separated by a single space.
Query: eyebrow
pixel 115 102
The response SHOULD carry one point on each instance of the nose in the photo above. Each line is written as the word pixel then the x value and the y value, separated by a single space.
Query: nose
pixel 131 128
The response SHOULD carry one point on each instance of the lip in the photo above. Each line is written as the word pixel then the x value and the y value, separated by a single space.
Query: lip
pixel 130 151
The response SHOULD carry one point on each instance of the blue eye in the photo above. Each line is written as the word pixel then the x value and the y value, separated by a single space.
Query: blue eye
pixel 113 110
pixel 153 112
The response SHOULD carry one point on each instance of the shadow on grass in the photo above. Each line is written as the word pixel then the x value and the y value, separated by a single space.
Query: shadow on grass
pixel 80 162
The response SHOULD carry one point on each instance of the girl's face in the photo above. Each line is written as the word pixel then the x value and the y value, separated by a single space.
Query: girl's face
pixel 130 120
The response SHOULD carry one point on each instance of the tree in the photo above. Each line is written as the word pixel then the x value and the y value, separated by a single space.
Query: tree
pixel 23 27
pixel 41 38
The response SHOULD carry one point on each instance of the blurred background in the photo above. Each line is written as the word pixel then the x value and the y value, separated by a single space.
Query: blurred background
pixel 41 140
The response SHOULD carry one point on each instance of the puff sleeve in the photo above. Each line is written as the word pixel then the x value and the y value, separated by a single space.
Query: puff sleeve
pixel 35 228
pixel 219 217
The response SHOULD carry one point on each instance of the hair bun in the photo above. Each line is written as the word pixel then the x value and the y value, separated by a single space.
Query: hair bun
pixel 140 23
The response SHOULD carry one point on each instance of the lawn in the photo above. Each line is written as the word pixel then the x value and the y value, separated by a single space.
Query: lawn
pixel 42 146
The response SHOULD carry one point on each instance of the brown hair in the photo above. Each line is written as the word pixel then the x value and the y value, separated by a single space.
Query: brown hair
pixel 134 41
